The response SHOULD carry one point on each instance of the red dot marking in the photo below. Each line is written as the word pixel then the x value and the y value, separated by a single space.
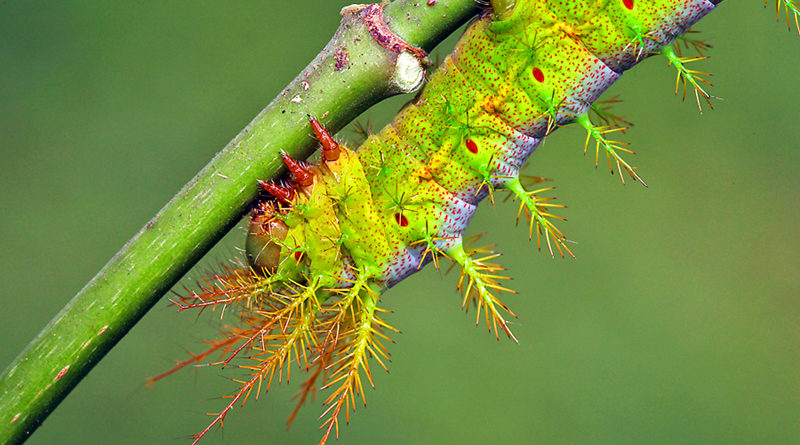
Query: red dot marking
pixel 539 75
pixel 628 3
pixel 472 146
pixel 401 219
pixel 298 255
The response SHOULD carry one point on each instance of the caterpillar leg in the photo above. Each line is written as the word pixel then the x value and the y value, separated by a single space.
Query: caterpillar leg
pixel 482 280
pixel 537 210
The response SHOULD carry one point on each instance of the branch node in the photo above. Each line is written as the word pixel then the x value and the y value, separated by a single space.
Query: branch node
pixel 410 62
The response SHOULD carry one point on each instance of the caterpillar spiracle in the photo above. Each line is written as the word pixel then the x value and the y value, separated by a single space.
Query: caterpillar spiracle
pixel 323 247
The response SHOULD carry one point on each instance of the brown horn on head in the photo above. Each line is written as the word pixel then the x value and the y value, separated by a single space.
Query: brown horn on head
pixel 302 175
pixel 330 148
pixel 285 194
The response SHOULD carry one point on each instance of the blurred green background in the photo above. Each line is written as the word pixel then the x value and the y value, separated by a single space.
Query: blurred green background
pixel 678 322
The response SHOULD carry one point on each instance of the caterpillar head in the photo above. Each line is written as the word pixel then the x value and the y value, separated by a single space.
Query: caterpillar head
pixel 264 239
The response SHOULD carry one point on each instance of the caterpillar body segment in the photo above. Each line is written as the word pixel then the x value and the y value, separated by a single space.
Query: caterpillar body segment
pixel 323 248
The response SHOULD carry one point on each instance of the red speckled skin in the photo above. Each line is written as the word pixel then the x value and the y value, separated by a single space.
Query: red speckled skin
pixel 409 191
pixel 486 95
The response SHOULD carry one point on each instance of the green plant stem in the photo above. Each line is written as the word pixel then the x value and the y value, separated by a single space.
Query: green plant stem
pixel 207 207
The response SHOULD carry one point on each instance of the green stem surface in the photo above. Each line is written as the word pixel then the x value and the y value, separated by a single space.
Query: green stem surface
pixel 207 207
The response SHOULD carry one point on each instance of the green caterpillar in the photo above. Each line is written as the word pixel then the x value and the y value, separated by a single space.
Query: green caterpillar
pixel 324 249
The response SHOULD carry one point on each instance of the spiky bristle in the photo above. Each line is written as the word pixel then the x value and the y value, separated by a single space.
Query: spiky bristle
pixel 686 76
pixel 791 9
pixel 610 147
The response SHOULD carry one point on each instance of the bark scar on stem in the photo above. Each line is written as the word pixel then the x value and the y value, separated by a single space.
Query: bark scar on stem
pixel 376 24
pixel 410 63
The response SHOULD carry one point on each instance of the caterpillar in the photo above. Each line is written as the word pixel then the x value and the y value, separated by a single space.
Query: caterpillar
pixel 318 262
